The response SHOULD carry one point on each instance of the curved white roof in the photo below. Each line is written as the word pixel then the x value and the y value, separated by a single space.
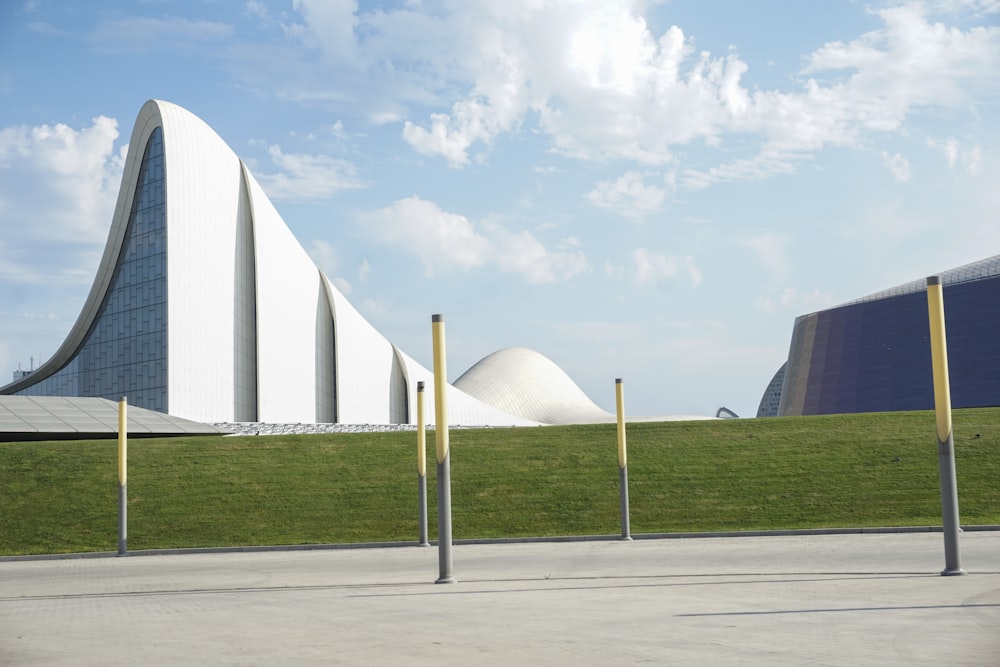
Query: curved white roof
pixel 525 383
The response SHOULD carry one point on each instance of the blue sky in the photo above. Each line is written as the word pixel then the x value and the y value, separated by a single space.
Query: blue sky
pixel 644 190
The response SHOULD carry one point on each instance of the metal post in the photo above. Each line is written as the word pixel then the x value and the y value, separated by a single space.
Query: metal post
pixel 622 459
pixel 945 433
pixel 422 466
pixel 122 476
pixel 443 455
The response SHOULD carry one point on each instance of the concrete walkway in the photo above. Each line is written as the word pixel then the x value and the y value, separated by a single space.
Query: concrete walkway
pixel 868 599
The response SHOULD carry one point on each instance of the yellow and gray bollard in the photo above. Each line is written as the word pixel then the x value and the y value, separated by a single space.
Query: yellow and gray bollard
pixel 422 466
pixel 622 459
pixel 443 455
pixel 945 434
pixel 122 476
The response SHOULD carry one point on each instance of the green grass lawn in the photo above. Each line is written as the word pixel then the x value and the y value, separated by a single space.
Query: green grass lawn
pixel 803 472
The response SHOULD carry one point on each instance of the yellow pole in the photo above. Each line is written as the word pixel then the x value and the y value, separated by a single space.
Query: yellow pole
pixel 443 458
pixel 939 358
pixel 421 432
pixel 421 466
pixel 620 409
pixel 622 459
pixel 122 476
pixel 122 441
pixel 440 389
pixel 945 436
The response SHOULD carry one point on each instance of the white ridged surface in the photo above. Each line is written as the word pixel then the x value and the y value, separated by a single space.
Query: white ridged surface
pixel 202 198
pixel 364 365
pixel 288 290
pixel 525 383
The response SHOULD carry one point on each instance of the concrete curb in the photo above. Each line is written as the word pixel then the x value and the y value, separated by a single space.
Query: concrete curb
pixel 497 540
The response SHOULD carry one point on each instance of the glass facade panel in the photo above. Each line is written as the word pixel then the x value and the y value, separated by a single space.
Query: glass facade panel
pixel 125 351
pixel 874 356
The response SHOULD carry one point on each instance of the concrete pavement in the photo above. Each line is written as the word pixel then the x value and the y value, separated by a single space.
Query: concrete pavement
pixel 862 599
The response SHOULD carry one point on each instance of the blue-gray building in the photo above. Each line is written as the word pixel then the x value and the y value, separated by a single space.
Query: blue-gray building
pixel 873 354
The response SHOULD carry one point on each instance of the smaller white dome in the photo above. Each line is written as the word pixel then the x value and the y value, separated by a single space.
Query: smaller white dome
pixel 525 383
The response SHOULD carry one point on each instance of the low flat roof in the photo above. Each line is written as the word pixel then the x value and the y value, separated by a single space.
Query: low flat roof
pixel 70 417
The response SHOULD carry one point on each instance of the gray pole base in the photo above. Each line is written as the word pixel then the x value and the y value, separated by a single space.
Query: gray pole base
pixel 950 524
pixel 444 522
pixel 122 520
pixel 623 490
pixel 422 502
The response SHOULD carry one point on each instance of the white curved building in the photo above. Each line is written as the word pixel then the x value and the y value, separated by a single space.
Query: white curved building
pixel 527 384
pixel 206 307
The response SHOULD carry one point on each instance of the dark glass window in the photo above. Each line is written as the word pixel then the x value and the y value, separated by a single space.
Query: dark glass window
pixel 125 351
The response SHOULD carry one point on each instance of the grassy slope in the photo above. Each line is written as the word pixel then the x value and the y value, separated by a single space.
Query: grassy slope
pixel 834 471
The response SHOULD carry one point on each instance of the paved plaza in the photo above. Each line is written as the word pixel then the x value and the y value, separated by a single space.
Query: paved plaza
pixel 861 599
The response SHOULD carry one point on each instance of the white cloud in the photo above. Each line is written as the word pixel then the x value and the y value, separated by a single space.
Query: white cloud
pixel 338 130
pixel 523 254
pixel 138 35
pixel 613 270
pixel 329 25
pixel 497 104
pixel 768 162
pixel 601 332
pixel 949 148
pixel 970 159
pixel 975 6
pixel 628 196
pixel 890 219
pixel 587 74
pixel 256 8
pixel 651 268
pixel 324 255
pixel 907 63
pixel 451 136
pixel 898 165
pixel 444 241
pixel 796 301
pixel 598 83
pixel 373 308
pixel 304 176
pixel 57 183
pixel 43 28
pixel 770 250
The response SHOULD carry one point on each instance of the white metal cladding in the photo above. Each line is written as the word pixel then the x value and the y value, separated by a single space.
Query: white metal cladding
pixel 288 290
pixel 364 361
pixel 245 315
pixel 202 198
pixel 255 330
